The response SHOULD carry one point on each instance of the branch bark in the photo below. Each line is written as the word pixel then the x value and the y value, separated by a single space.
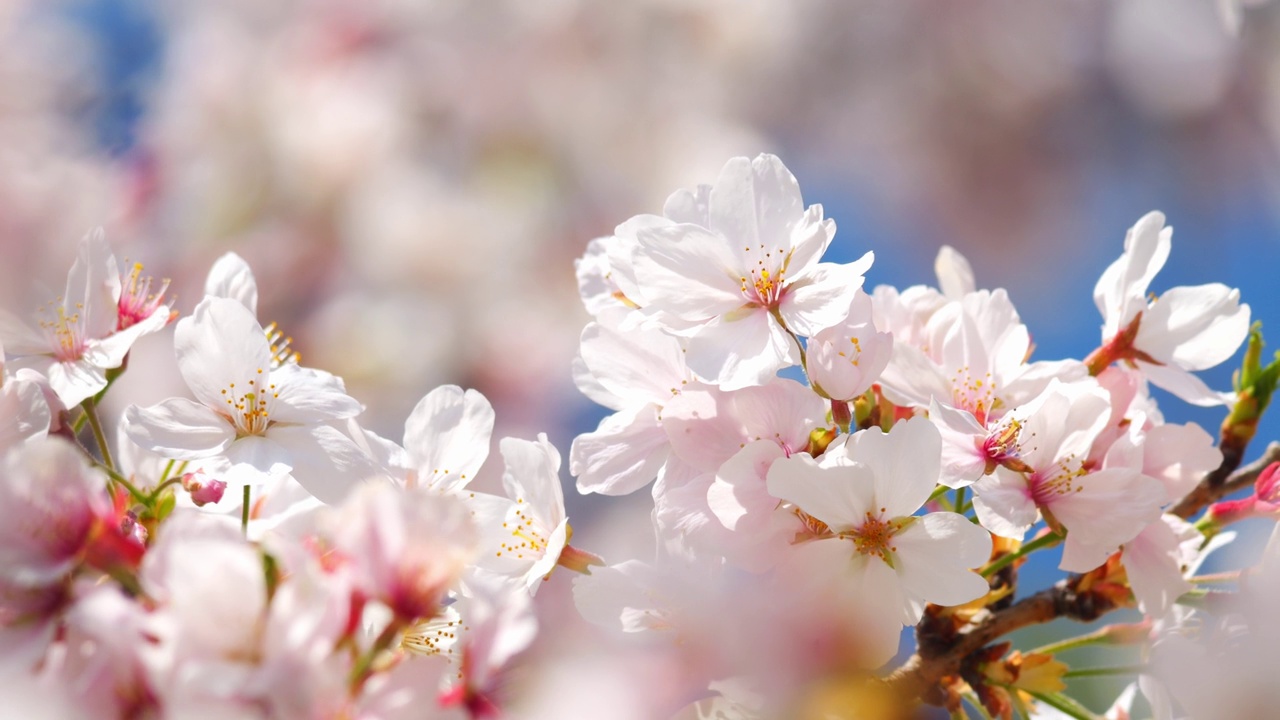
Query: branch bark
pixel 1224 481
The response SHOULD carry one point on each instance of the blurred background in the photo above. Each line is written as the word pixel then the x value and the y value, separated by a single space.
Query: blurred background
pixel 411 181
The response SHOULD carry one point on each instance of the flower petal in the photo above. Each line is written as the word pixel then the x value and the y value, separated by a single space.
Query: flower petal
pixel 326 462
pixel 447 436
pixel 178 428
pixel 230 277
pixel 934 558
pixel 840 496
pixel 906 463
pixel 622 455
pixel 220 347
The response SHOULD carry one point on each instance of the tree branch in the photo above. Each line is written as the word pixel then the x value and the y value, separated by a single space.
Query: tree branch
pixel 1225 480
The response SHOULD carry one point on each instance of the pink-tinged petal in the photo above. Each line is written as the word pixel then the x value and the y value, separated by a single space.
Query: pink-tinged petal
pixel 548 558
pixel 588 384
pixel 178 428
pixel 230 277
pixel 308 396
pixel 755 202
pixel 447 436
pixel 745 347
pixel 24 413
pixel 1184 385
pixel 638 366
pixel 845 359
pixel 1032 379
pixel 622 455
pixel 1153 563
pixel 999 331
pixel 934 558
pixel 821 297
pixel 1179 456
pixel 688 272
pixel 963 461
pixel 19 338
pixel 93 286
pixel 1105 510
pixel 1064 422
pixel 323 460
pixel 1194 328
pixel 531 477
pixel 912 379
pixel 1121 291
pixel 955 275
pixel 739 496
pixel 905 462
pixel 219 344
pixel 702 427
pixel 840 496
pixel 1004 505
pixel 782 410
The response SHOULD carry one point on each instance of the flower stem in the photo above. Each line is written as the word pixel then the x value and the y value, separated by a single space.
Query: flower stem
pixel 1066 705
pixel 244 513
pixel 1105 671
pixel 91 412
pixel 1044 541
pixel 364 663
pixel 1109 635
pixel 122 480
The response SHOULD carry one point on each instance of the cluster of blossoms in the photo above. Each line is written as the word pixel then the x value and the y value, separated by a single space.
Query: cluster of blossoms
pixel 829 466
pixel 252 552
pixel 926 455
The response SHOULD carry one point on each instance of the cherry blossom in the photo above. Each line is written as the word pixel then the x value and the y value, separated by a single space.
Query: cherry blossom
pixel 736 286
pixel 264 419
pixel 1180 331
pixel 862 496
pixel 91 328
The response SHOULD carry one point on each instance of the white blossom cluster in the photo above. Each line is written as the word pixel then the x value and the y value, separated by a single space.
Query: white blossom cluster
pixel 829 466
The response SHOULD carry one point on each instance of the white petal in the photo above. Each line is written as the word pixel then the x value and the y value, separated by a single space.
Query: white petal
pixel 1179 456
pixel 1106 509
pixel 962 461
pixel 326 462
pixel 1004 505
pixel 688 272
pixel 906 463
pixel 531 477
pixel 230 277
pixel 639 366
pixel 447 436
pixel 935 556
pixel 73 381
pixel 93 286
pixel 308 396
pixel 178 428
pixel 755 202
pixel 220 343
pixel 742 348
pixel 18 338
pixel 840 496
pixel 1121 291
pixel 1153 565
pixel 821 297
pixel 622 455
pixel 955 275
pixel 1194 328
pixel 1183 385
pixel 739 497
pixel 24 413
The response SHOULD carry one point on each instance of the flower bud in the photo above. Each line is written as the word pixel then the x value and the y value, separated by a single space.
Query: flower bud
pixel 203 491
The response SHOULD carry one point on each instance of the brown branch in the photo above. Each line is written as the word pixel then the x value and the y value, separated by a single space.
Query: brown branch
pixel 1225 480
pixel 924 669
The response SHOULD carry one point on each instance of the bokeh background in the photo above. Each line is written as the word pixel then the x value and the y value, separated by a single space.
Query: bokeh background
pixel 411 181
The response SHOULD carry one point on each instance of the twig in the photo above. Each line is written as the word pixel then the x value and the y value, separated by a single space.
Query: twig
pixel 1225 480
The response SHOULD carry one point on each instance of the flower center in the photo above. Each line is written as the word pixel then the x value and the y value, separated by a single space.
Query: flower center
pixel 248 408
pixel 137 301
pixel 977 395
pixel 875 536
pixel 765 282
pixel 1058 481
pixel 64 332
pixel 528 535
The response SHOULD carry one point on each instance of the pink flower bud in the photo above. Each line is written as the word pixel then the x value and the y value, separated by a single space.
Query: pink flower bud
pixel 203 491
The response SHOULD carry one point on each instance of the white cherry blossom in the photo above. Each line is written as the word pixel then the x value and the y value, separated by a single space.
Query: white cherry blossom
pixel 90 329
pixel 1183 330
pixel 862 496
pixel 264 420
pixel 736 285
